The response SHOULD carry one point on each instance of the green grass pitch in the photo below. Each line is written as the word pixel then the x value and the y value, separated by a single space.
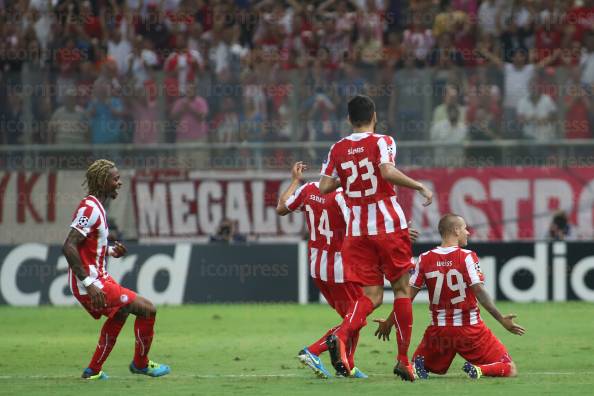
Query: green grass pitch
pixel 250 350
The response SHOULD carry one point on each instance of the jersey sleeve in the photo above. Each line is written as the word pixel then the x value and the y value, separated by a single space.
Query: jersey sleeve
pixel 85 220
pixel 295 201
pixel 473 269
pixel 387 150
pixel 329 165
pixel 417 279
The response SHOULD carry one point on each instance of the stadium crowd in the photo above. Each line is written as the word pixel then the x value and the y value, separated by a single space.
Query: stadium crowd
pixel 152 71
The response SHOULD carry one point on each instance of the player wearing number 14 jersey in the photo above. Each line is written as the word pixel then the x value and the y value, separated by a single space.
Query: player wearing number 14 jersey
pixel 325 221
pixel 455 282
pixel 377 243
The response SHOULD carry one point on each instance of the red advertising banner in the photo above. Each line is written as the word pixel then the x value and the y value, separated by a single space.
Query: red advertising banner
pixel 505 203
pixel 498 203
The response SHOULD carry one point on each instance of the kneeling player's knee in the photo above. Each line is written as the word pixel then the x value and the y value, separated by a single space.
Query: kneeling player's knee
pixel 151 310
pixel 513 372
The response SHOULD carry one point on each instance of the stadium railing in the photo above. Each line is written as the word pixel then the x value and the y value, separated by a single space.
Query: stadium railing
pixel 280 155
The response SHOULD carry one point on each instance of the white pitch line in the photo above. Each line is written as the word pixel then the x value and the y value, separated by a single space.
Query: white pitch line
pixel 198 376
pixel 214 376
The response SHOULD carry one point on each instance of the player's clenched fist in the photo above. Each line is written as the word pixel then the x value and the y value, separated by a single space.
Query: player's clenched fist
pixel 297 171
pixel 97 296
pixel 118 250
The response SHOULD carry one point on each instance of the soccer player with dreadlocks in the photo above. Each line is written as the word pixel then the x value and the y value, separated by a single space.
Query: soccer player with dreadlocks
pixel 86 249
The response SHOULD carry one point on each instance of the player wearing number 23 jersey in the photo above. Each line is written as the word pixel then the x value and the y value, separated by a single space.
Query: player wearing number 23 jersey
pixel 377 244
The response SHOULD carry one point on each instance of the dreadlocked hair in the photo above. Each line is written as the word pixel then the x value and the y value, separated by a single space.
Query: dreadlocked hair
pixel 97 175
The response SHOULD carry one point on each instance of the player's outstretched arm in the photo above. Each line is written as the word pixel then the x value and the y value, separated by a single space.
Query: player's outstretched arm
pixel 486 301
pixel 328 184
pixel 70 250
pixel 393 175
pixel 296 178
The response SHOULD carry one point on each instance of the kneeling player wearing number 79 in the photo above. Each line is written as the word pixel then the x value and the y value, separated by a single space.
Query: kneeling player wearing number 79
pixel 455 283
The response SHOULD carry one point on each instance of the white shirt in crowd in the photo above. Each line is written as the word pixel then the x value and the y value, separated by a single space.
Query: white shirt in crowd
pixel 587 65
pixel 516 82
pixel 444 131
pixel 487 16
pixel 543 108
pixel 120 52
pixel 139 70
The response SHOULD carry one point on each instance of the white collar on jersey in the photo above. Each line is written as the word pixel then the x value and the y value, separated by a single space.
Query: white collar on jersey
pixel 445 250
pixel 356 136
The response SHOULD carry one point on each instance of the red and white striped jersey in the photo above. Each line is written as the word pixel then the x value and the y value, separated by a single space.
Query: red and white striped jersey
pixel 371 200
pixel 326 225
pixel 448 273
pixel 90 220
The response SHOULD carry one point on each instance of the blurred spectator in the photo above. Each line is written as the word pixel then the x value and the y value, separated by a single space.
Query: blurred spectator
pixel 145 116
pixel 452 130
pixel 487 16
pixel 469 7
pixel 576 106
pixel 483 93
pixel 189 113
pixel 368 49
pixel 68 124
pixel 517 77
pixel 12 120
pixel 104 112
pixel 320 115
pixel 226 122
pixel 445 53
pixel 252 123
pixel 483 125
pixel 536 114
pixel 547 35
pixel 516 27
pixel 119 49
pixel 153 27
pixel 68 59
pixel 560 228
pixel 456 22
pixel 587 60
pixel 409 101
pixel 141 62
pixel 418 39
pixel 392 52
pixel 184 64
pixel 227 233
pixel 450 99
pixel 579 19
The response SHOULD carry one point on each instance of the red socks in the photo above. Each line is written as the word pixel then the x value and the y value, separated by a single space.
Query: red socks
pixel 499 369
pixel 107 339
pixel 351 347
pixel 403 319
pixel 319 346
pixel 355 319
pixel 143 332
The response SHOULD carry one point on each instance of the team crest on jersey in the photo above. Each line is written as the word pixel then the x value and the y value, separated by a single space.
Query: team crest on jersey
pixel 83 221
pixel 124 298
